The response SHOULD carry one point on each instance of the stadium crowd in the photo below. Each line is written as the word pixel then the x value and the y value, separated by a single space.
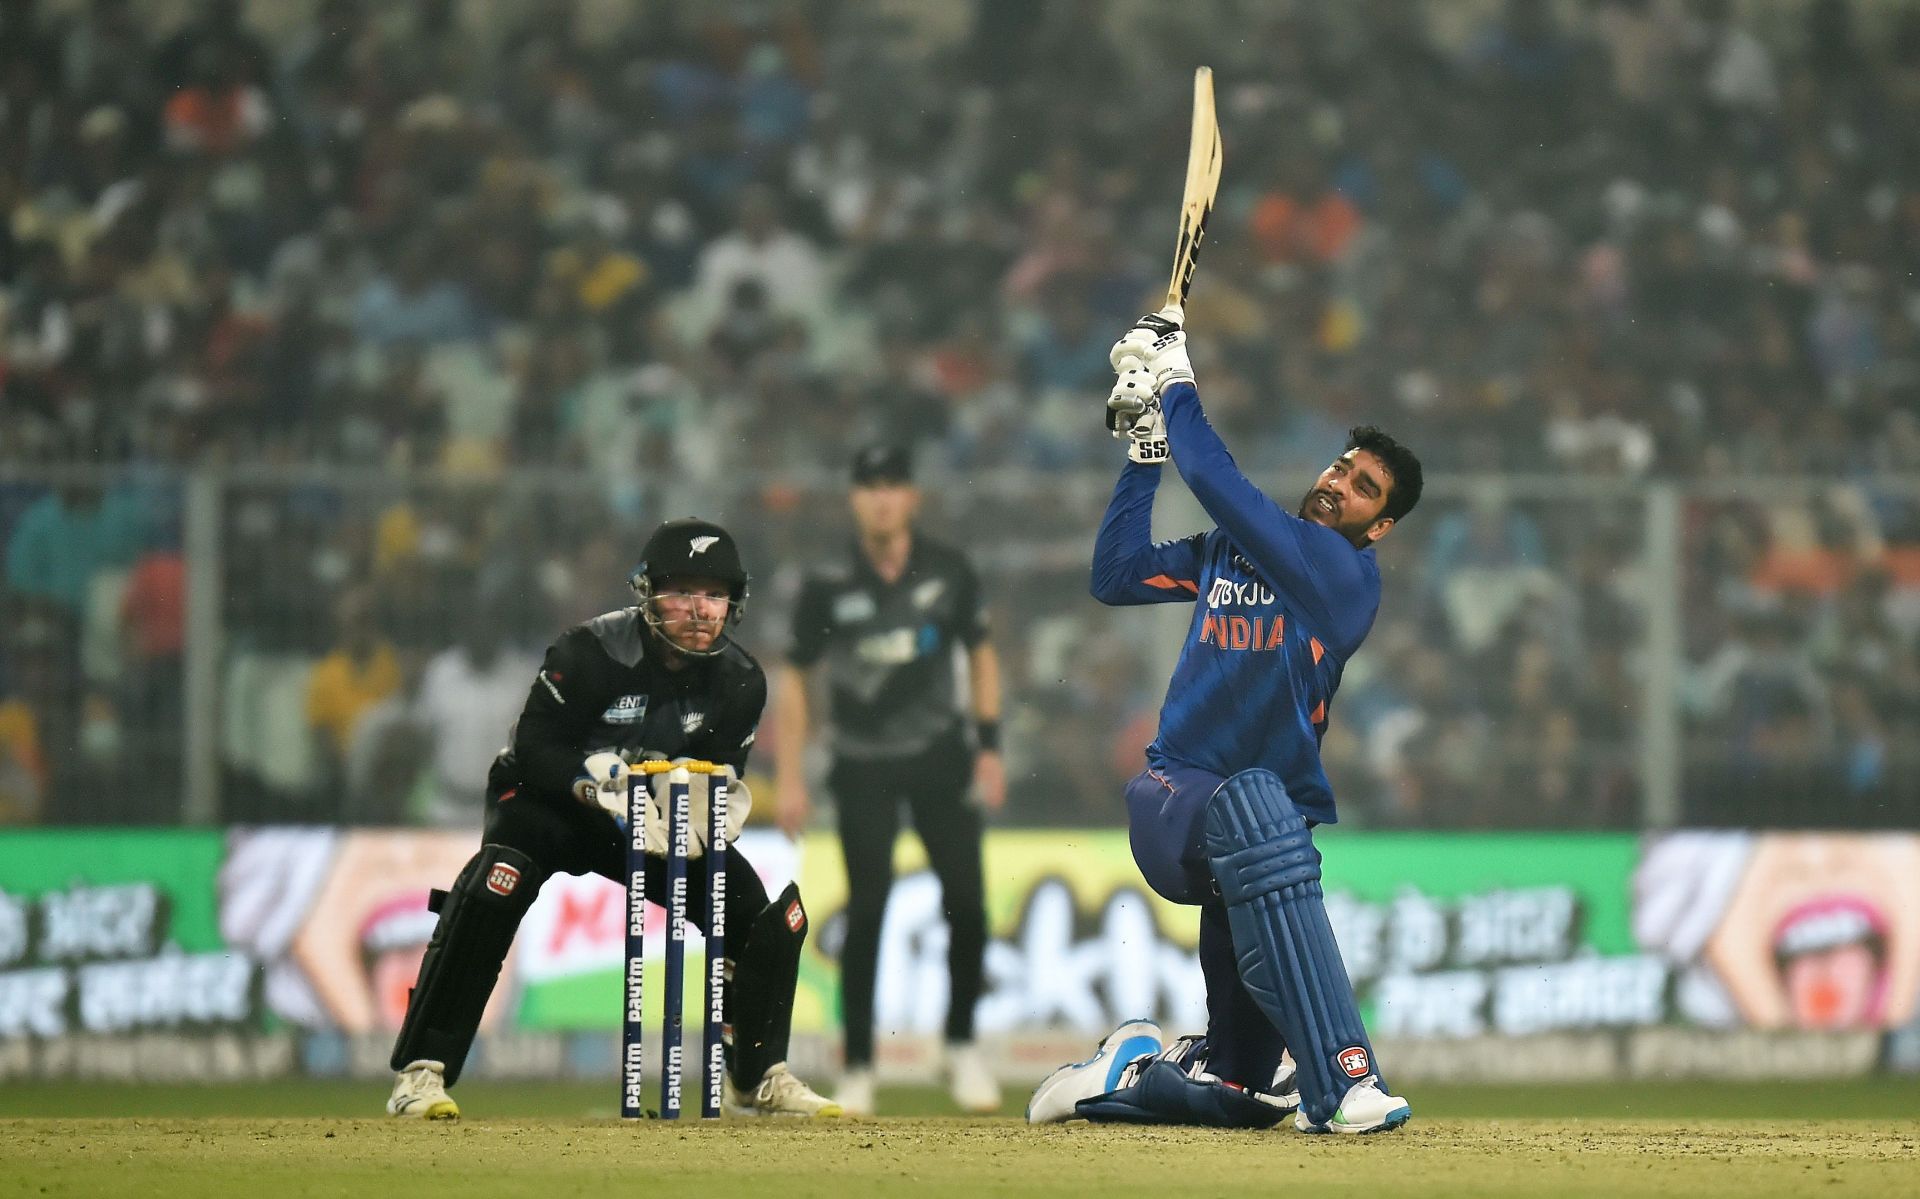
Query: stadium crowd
pixel 456 305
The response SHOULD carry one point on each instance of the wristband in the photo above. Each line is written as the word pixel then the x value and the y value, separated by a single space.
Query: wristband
pixel 987 733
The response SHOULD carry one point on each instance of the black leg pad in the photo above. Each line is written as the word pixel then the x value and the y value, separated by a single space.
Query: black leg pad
pixel 760 996
pixel 478 918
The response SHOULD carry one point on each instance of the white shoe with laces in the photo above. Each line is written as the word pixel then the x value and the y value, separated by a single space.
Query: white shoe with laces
pixel 420 1093
pixel 1365 1108
pixel 974 1089
pixel 1054 1100
pixel 855 1095
pixel 780 1093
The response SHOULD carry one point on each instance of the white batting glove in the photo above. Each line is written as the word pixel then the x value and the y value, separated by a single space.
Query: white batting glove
pixel 1136 346
pixel 1133 415
pixel 1128 401
pixel 602 782
pixel 1147 442
pixel 1157 345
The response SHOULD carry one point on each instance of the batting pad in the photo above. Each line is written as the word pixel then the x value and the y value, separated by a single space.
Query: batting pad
pixel 1268 872
pixel 1163 1094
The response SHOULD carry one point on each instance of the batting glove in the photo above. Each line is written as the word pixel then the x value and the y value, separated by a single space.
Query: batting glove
pixel 1133 414
pixel 1128 402
pixel 1147 443
pixel 1157 345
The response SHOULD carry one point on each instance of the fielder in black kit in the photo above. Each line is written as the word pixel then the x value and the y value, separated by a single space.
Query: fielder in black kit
pixel 661 680
pixel 887 623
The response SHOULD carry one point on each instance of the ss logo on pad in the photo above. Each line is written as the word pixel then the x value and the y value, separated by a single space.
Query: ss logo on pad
pixel 502 879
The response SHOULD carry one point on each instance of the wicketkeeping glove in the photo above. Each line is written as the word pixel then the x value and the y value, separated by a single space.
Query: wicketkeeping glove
pixel 603 781
pixel 699 789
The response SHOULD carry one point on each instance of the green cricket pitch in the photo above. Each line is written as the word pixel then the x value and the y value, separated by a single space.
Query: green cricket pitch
pixel 1746 1140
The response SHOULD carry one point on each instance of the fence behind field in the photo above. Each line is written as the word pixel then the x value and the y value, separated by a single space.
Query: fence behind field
pixel 337 646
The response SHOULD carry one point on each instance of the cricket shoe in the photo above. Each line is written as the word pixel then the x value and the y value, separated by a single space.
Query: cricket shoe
pixel 780 1093
pixel 420 1093
pixel 855 1095
pixel 1055 1099
pixel 1365 1108
pixel 974 1089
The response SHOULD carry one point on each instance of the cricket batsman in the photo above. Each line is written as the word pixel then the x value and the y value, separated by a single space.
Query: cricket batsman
pixel 1223 816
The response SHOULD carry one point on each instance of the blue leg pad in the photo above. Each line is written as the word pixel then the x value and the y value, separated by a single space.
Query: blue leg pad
pixel 1163 1094
pixel 1268 871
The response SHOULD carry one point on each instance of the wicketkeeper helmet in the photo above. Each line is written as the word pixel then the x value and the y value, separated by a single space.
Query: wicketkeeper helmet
pixel 690 548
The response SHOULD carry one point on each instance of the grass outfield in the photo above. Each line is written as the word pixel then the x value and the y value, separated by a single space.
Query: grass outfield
pixel 1744 1140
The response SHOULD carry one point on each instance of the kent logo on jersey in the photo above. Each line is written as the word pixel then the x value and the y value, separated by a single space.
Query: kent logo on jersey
pixel 626 710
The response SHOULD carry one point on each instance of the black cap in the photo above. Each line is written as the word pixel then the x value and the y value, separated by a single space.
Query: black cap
pixel 882 463
pixel 688 547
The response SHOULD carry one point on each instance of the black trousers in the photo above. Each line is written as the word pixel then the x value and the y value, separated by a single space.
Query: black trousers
pixel 577 839
pixel 464 960
pixel 869 794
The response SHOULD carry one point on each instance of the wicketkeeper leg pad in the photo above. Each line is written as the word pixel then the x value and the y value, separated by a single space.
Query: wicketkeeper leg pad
pixel 760 990
pixel 1268 872
pixel 478 918
pixel 1165 1094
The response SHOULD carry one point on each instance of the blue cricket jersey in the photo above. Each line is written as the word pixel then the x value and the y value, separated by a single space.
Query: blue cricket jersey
pixel 1279 605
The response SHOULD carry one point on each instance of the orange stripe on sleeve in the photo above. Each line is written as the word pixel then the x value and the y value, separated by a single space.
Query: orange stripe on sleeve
pixel 1166 583
pixel 1320 712
pixel 1319 651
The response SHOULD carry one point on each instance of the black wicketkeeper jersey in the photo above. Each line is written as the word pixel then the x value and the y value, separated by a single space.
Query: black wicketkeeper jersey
pixel 603 687
pixel 889 648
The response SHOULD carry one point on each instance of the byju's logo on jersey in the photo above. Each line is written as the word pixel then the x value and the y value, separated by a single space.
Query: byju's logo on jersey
pixel 1229 593
pixel 626 710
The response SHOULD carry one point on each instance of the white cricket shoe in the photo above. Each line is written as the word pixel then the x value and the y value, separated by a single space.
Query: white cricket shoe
pixel 420 1093
pixel 780 1093
pixel 855 1095
pixel 1054 1100
pixel 1366 1108
pixel 972 1085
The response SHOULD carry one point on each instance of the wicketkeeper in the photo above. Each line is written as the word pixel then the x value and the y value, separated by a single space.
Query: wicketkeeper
pixel 660 680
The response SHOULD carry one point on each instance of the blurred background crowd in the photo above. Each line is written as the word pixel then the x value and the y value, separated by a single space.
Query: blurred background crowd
pixel 443 303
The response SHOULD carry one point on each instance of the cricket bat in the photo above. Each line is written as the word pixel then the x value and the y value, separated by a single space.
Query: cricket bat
pixel 1203 181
